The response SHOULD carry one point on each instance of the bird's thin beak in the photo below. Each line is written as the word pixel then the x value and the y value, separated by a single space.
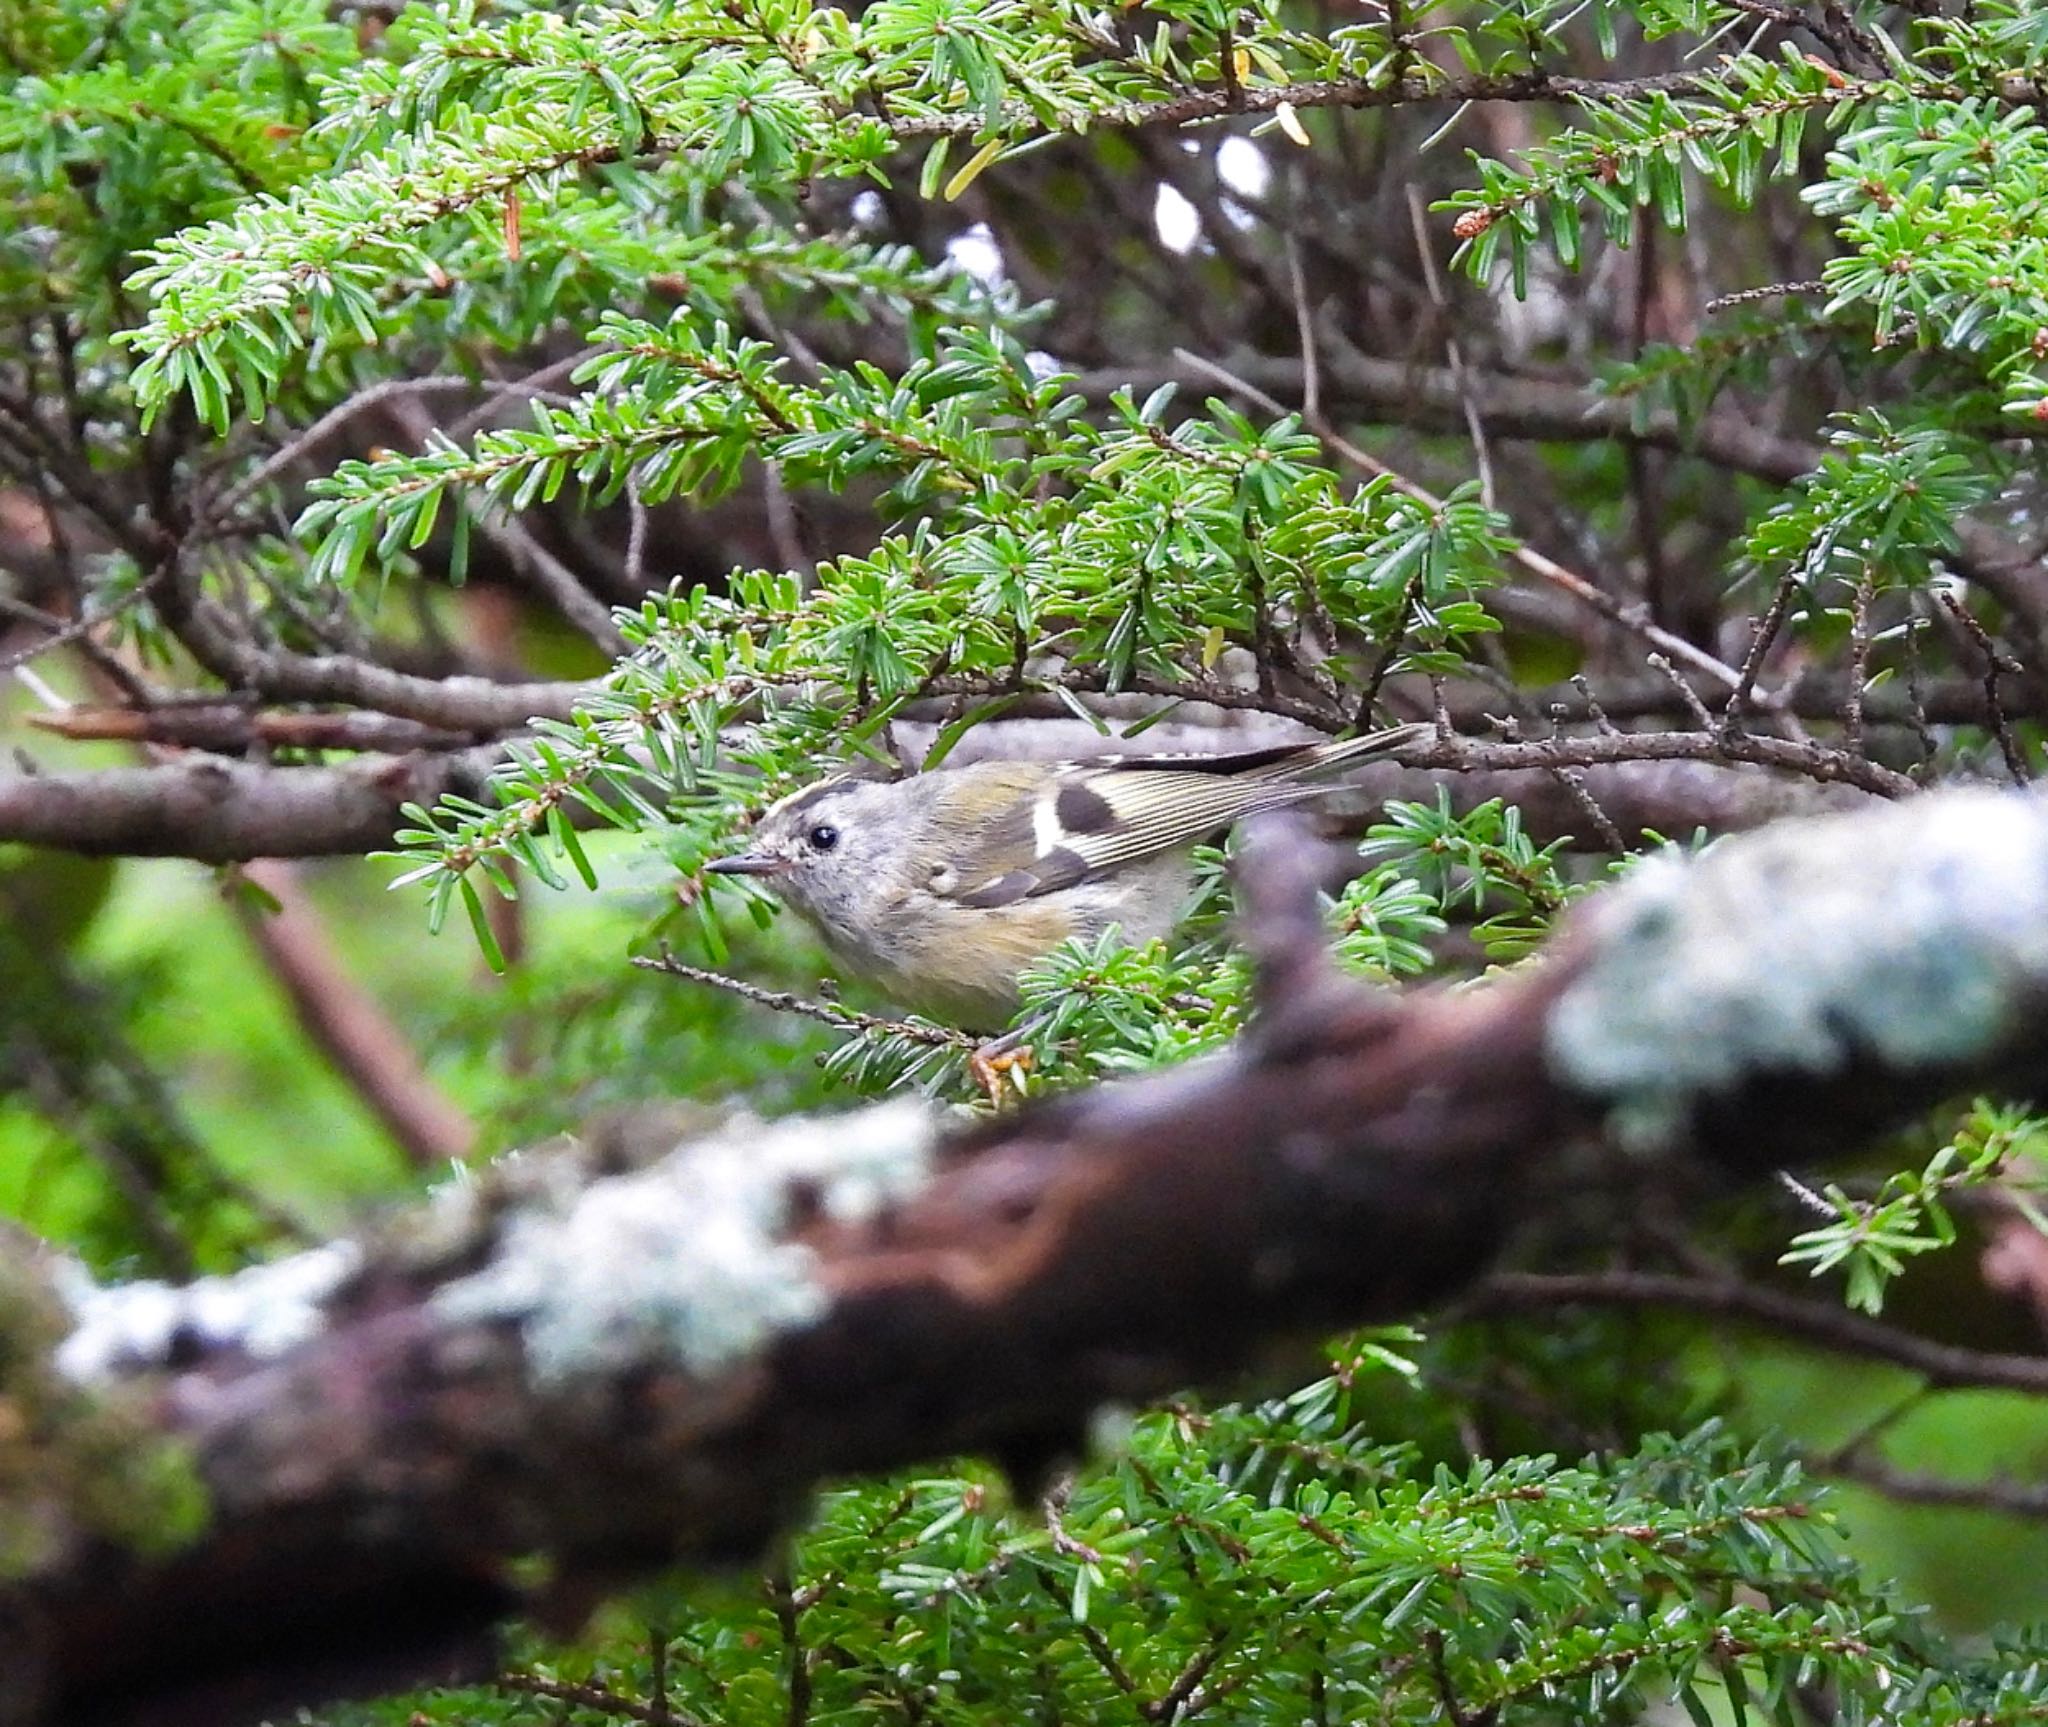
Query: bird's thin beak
pixel 747 863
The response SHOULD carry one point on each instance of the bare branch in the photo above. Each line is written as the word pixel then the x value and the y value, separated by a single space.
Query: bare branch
pixel 1996 664
pixel 303 444
pixel 232 728
pixel 546 573
pixel 1911 1487
pixel 1944 1366
pixel 469 704
pixel 222 811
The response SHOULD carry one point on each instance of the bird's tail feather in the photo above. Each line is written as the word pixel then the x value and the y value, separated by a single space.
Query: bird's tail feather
pixel 1321 758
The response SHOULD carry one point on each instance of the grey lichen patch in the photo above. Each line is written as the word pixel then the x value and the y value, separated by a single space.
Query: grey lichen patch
pixel 685 1264
pixel 465 1210
pixel 261 1312
pixel 1913 936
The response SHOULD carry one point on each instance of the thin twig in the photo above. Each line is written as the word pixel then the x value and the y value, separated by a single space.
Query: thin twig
pixel 785 526
pixel 1052 1508
pixel 657 1673
pixel 1433 1641
pixel 1687 695
pixel 596 1698
pixel 788 1609
pixel 2015 1498
pixel 227 502
pixel 1594 711
pixel 1091 1635
pixel 1574 784
pixel 1769 291
pixel 1383 662
pixel 1642 479
pixel 1859 664
pixel 1916 702
pixel 78 629
pixel 556 581
pixel 1760 639
pixel 1994 664
pixel 54 705
pixel 1305 332
pixel 535 384
pixel 826 1013
pixel 1772 12
pixel 636 536
pixel 1226 64
pixel 1172 1704
pixel 233 729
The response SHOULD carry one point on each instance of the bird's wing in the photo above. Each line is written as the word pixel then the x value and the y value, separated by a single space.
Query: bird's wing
pixel 1087 818
pixel 1014 855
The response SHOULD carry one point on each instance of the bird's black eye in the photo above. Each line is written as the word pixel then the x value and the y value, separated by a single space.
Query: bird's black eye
pixel 823 837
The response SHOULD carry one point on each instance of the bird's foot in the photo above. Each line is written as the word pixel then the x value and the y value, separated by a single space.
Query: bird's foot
pixel 1000 1068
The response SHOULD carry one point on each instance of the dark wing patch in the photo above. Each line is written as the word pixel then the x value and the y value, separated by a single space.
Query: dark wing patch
pixel 1083 810
pixel 1161 811
pixel 1150 813
pixel 1059 868
pixel 1004 890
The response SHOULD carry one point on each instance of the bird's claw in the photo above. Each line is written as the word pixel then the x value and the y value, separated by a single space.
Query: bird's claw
pixel 1000 1069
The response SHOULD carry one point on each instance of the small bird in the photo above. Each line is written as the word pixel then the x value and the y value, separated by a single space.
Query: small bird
pixel 943 887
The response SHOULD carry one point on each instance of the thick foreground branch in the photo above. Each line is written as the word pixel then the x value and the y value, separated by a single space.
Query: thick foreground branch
pixel 650 1346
